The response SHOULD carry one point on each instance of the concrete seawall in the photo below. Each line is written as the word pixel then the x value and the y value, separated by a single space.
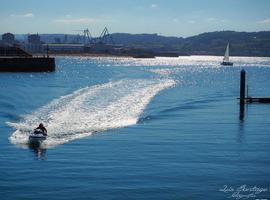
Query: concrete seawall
pixel 29 64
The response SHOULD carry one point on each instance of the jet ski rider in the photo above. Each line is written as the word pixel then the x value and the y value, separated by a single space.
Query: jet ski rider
pixel 42 128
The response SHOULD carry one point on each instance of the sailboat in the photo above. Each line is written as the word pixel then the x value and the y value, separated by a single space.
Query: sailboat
pixel 226 60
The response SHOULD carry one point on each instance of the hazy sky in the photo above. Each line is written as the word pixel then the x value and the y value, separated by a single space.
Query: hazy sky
pixel 166 17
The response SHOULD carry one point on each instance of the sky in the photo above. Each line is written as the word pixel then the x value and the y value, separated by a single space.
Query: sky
pixel 181 18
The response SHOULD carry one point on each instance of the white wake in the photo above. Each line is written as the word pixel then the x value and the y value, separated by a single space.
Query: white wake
pixel 89 110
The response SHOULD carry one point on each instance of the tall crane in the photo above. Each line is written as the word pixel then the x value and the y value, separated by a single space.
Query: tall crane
pixel 87 36
pixel 105 37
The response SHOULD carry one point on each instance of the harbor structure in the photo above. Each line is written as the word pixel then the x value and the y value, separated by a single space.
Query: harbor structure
pixel 13 58
pixel 246 98
pixel 8 38
pixel 27 64
pixel 34 39
pixel 34 44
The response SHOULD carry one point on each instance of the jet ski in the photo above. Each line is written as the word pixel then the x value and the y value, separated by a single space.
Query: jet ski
pixel 37 136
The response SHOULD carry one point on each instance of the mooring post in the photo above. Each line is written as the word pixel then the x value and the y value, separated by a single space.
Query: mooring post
pixel 242 86
pixel 242 93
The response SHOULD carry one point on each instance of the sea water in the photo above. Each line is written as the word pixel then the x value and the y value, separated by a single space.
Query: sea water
pixel 124 128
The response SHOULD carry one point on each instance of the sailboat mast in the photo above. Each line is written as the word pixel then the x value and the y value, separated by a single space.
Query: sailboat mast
pixel 226 56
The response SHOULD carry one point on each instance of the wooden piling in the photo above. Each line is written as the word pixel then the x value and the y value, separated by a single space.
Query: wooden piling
pixel 242 94
pixel 248 99
pixel 242 86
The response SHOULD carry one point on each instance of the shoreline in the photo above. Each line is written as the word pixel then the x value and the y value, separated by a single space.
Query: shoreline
pixel 127 56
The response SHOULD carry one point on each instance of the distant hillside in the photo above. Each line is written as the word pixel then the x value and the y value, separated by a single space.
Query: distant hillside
pixel 242 43
pixel 153 40
pixel 213 43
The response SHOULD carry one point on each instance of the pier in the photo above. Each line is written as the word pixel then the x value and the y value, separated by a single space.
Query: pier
pixel 14 59
pixel 27 64
pixel 249 99
pixel 257 99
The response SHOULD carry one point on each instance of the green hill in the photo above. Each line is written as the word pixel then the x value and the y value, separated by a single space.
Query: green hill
pixel 213 43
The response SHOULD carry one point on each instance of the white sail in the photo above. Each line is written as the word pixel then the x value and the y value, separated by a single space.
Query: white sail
pixel 226 56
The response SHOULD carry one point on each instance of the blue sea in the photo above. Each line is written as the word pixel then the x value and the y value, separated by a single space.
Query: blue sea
pixel 126 128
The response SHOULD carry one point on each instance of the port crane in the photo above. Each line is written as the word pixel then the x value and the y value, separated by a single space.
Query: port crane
pixel 104 38
pixel 87 37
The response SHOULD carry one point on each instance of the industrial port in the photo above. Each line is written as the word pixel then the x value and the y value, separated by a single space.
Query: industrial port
pixel 35 55
pixel 80 44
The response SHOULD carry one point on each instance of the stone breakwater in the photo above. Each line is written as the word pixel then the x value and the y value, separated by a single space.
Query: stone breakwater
pixel 27 64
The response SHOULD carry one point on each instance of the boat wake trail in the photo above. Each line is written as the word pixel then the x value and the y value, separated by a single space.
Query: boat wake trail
pixel 89 110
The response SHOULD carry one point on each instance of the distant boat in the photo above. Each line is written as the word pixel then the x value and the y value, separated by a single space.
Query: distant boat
pixel 226 60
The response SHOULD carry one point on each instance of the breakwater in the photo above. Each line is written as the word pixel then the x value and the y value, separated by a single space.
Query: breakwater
pixel 27 64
